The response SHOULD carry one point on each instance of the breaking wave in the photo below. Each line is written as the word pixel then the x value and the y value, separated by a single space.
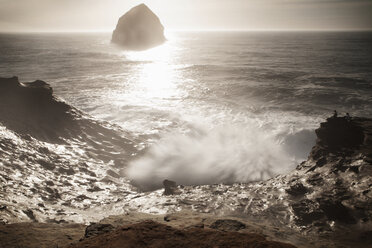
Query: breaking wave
pixel 225 154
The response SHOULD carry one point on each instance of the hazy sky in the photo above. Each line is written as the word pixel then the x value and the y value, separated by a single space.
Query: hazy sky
pixel 91 15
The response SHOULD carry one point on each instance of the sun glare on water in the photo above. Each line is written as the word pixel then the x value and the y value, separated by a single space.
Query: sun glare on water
pixel 155 79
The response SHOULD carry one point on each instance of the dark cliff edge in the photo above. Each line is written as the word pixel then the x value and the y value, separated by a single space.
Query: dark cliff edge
pixel 139 29
pixel 31 109
pixel 330 194
pixel 342 168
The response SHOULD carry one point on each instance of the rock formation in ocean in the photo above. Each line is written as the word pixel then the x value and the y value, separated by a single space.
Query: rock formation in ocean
pixel 139 29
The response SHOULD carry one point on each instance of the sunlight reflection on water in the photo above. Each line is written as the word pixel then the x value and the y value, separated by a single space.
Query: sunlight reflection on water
pixel 155 81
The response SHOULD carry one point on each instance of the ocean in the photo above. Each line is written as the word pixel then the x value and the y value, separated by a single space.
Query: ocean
pixel 208 107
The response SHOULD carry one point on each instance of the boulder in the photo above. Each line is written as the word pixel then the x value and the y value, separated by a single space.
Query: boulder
pixel 139 29
pixel 170 187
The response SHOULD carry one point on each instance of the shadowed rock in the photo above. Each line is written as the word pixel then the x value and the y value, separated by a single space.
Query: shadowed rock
pixel 340 132
pixel 339 160
pixel 32 111
pixel 95 229
pixel 139 29
pixel 170 187
pixel 297 190
pixel 30 108
pixel 228 225
pixel 336 211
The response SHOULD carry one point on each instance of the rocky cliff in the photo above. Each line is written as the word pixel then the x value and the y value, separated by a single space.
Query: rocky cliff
pixel 30 108
pixel 53 157
pixel 59 165
pixel 139 29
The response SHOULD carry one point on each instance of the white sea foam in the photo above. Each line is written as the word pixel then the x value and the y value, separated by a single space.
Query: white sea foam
pixel 224 154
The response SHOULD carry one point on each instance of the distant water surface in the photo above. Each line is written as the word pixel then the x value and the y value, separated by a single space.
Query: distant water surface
pixel 230 102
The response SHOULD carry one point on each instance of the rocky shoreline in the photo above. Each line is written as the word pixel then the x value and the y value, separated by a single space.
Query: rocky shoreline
pixel 50 192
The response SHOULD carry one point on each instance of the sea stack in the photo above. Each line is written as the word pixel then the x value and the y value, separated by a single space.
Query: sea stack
pixel 139 29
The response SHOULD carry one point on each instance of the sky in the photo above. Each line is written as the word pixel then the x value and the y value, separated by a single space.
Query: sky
pixel 102 15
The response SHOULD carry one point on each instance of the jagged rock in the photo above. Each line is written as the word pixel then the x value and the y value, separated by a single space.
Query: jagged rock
pixel 170 187
pixel 139 29
pixel 306 212
pixel 340 132
pixel 95 229
pixel 297 189
pixel 336 211
pixel 30 108
pixel 340 142
pixel 40 86
pixel 315 179
pixel 228 225
pixel 28 91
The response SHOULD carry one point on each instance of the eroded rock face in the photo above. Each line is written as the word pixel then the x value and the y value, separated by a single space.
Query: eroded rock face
pixel 139 29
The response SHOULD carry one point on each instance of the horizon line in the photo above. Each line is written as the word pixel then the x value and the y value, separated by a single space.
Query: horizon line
pixel 186 30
